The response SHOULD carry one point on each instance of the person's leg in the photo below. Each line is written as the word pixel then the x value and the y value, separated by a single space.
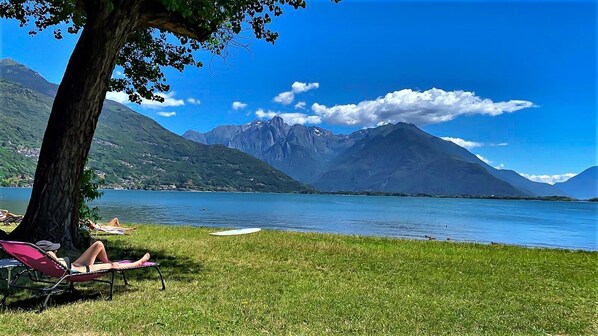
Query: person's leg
pixel 88 258
pixel 116 265
pixel 114 222
pixel 133 264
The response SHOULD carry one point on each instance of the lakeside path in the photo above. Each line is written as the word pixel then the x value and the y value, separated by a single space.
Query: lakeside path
pixel 275 282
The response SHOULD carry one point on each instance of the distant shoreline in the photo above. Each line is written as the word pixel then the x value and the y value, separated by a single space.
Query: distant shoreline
pixel 368 193
pixel 540 198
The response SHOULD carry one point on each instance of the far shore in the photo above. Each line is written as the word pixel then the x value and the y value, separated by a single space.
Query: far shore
pixel 360 193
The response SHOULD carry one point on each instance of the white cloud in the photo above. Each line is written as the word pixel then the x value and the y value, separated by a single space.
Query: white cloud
pixel 167 114
pixel 500 166
pixel 265 115
pixel 300 105
pixel 300 118
pixel 469 144
pixel 292 118
pixel 299 87
pixel 238 105
pixel 287 97
pixel 193 101
pixel 463 143
pixel 427 107
pixel 550 179
pixel 169 100
pixel 486 161
pixel 119 97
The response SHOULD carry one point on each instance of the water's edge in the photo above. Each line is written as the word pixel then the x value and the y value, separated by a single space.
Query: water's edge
pixel 530 223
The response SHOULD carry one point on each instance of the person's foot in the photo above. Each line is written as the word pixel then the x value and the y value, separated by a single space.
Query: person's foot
pixel 145 258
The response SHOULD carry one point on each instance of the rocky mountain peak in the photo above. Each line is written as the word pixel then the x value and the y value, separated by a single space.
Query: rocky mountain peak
pixel 277 121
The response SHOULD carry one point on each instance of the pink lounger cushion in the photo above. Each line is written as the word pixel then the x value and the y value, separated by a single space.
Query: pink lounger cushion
pixel 145 264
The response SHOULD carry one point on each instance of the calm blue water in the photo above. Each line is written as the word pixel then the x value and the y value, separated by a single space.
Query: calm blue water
pixel 530 223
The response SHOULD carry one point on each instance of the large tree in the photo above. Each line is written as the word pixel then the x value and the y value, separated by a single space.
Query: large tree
pixel 142 37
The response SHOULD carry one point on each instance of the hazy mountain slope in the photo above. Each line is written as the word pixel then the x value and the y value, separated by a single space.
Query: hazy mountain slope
pixel 509 176
pixel 582 186
pixel 129 149
pixel 531 187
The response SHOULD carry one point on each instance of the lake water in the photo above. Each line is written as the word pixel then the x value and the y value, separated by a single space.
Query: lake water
pixel 569 225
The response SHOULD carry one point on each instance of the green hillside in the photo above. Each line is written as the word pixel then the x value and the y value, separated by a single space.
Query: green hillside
pixel 20 132
pixel 129 150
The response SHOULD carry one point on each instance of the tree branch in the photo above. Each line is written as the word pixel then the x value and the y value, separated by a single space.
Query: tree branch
pixel 160 17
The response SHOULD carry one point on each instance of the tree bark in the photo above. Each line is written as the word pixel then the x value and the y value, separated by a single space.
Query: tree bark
pixel 52 212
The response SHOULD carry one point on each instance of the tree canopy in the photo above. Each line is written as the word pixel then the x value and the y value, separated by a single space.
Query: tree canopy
pixel 167 34
pixel 142 37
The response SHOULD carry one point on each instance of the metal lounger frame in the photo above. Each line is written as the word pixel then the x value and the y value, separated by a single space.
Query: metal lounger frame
pixel 63 284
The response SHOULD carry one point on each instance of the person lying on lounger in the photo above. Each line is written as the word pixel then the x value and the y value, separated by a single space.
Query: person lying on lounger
pixel 86 262
pixel 114 224
pixel 7 217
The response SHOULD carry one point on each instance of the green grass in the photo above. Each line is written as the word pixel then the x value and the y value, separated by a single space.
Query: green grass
pixel 278 283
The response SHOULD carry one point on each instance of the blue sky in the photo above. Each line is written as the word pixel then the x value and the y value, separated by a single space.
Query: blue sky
pixel 515 80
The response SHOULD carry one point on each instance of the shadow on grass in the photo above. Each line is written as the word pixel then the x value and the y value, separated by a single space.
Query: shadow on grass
pixel 174 268
pixel 27 302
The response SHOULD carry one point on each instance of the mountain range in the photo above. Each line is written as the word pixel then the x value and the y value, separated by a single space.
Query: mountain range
pixel 132 151
pixel 129 150
pixel 398 158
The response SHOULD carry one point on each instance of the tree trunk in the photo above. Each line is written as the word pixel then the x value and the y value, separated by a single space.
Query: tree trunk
pixel 52 213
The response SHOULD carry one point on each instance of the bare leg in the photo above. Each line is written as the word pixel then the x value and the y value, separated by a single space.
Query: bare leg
pixel 116 265
pixel 114 222
pixel 88 258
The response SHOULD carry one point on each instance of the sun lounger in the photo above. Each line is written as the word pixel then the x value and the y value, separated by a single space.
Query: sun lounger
pixel 95 228
pixel 99 229
pixel 38 262
pixel 6 217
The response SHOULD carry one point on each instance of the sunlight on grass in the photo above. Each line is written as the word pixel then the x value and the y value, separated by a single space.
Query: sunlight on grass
pixel 276 282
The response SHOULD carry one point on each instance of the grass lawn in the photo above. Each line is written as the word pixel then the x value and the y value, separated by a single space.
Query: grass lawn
pixel 278 283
